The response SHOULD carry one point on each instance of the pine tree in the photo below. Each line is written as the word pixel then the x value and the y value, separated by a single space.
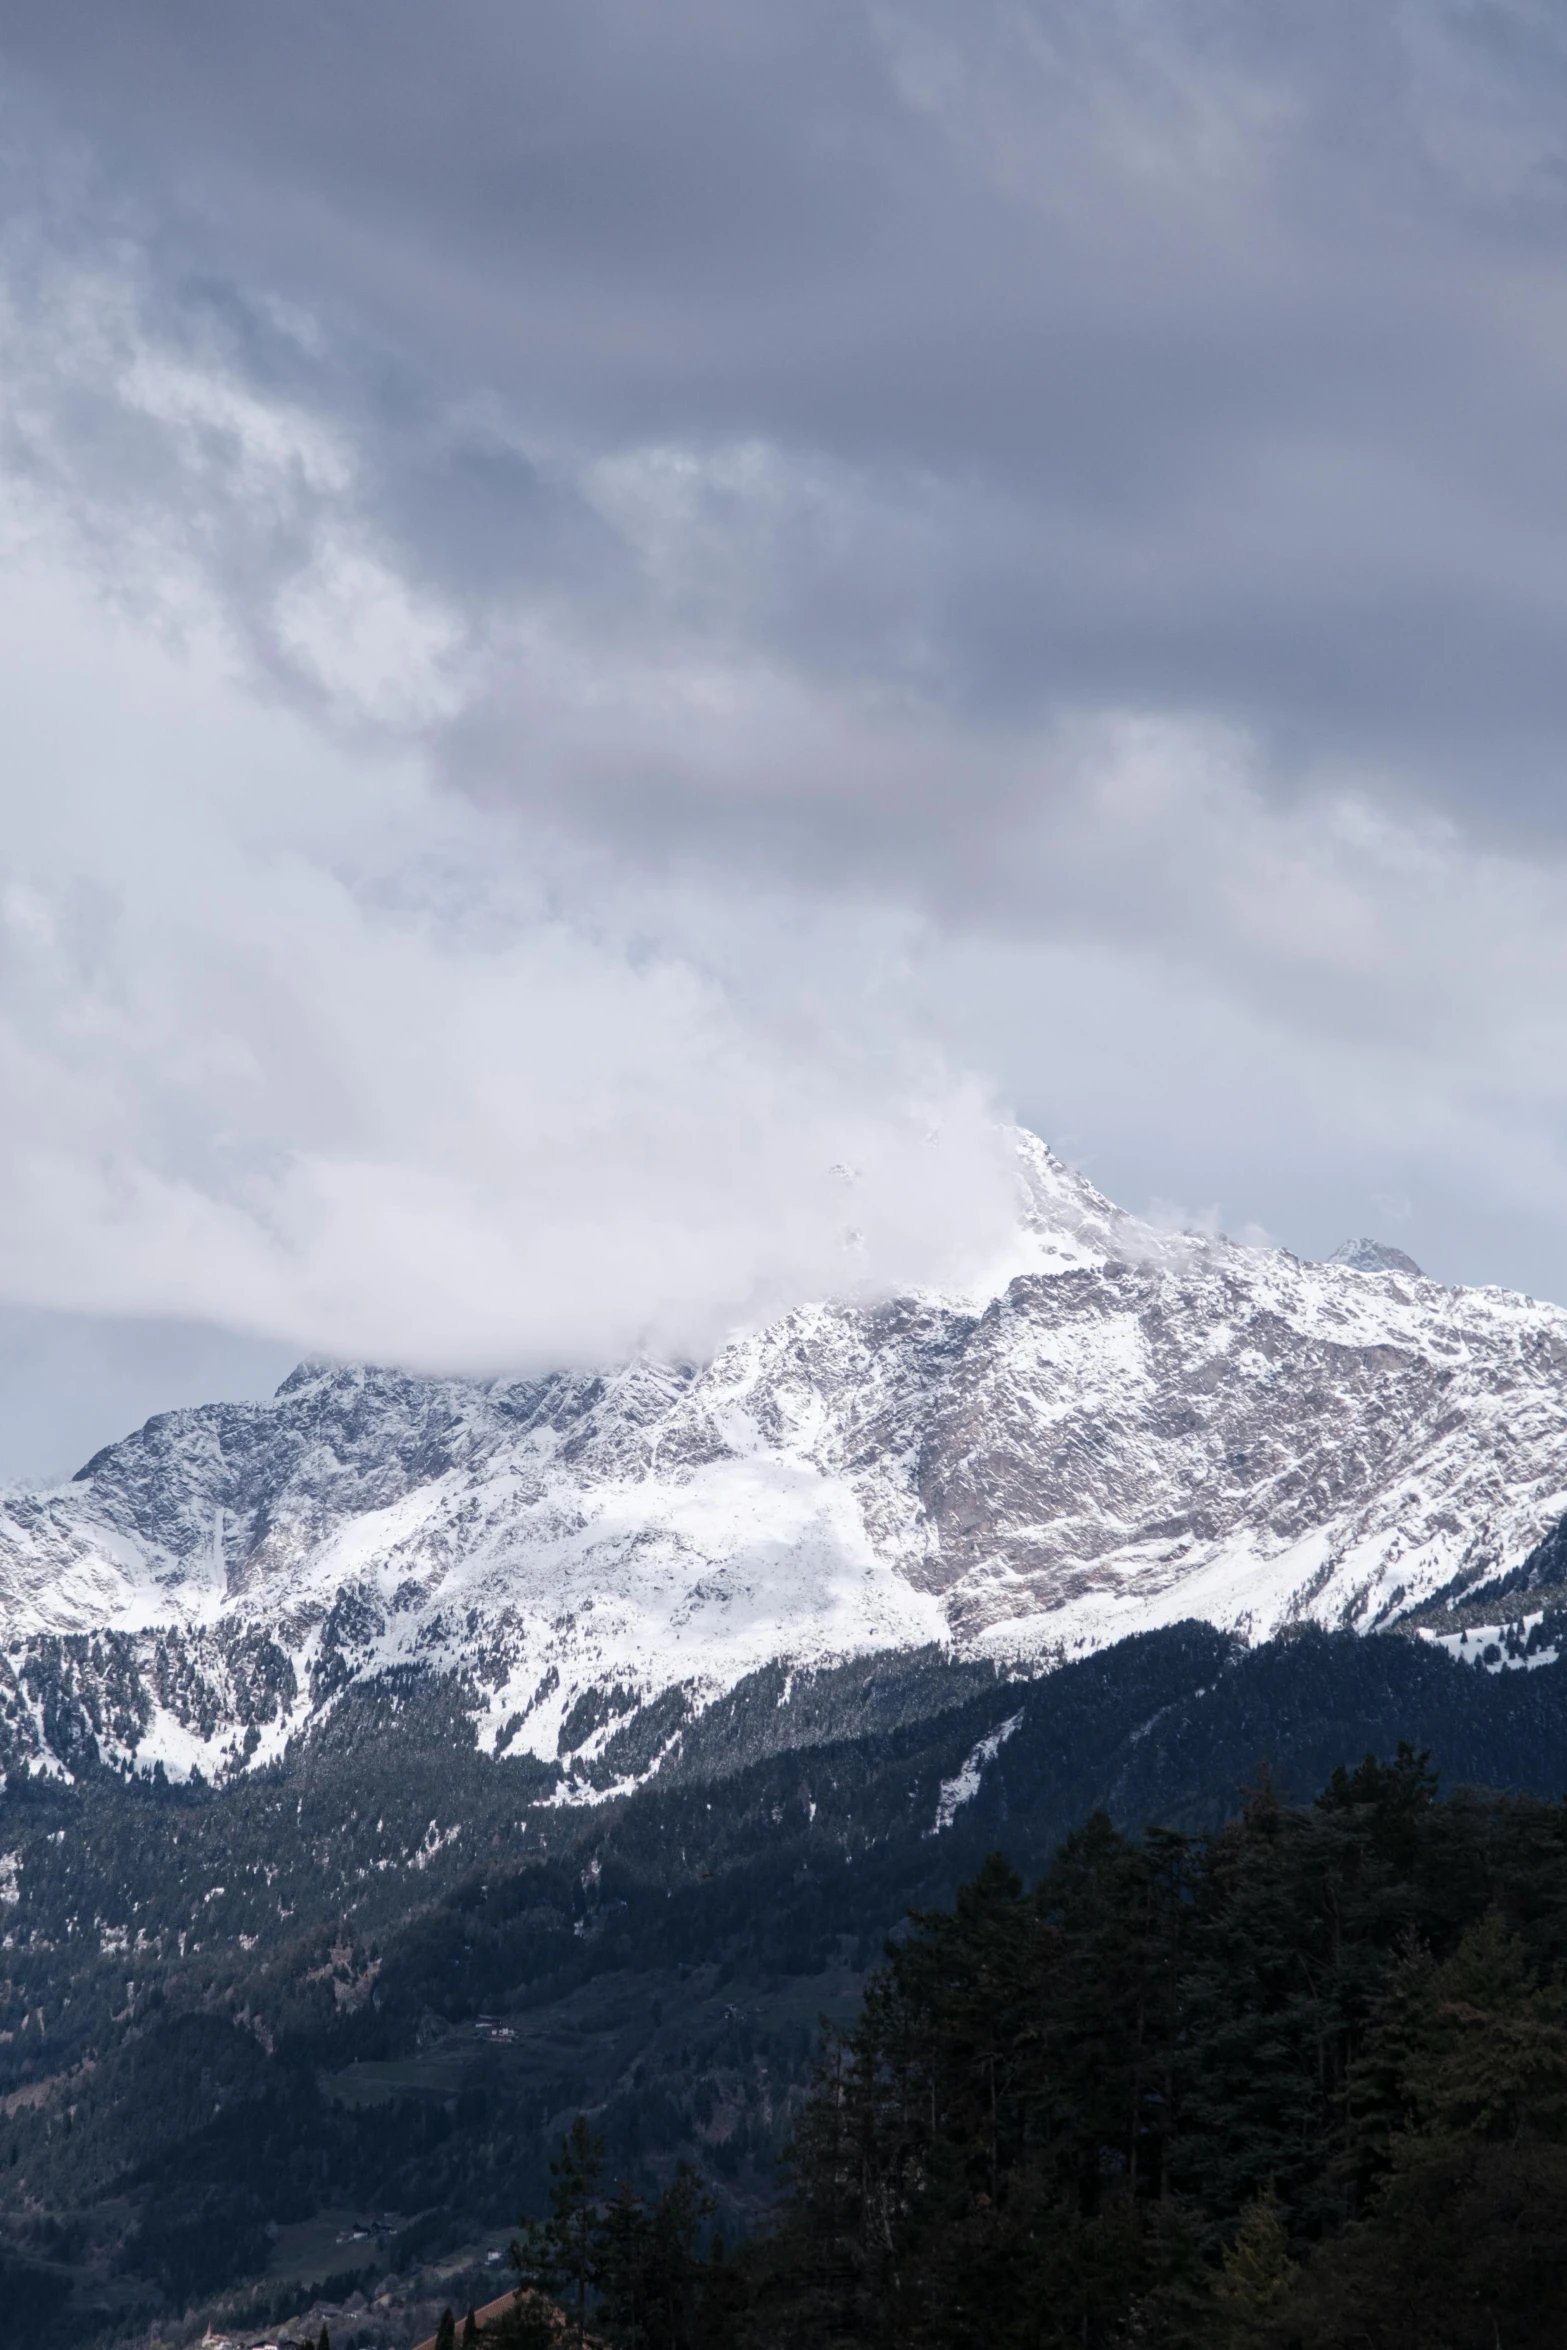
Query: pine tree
pixel 446 2332
pixel 566 2249
pixel 650 2273
pixel 1257 2271
pixel 470 2329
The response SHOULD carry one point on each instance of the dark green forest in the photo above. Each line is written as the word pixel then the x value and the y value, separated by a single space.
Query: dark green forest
pixel 383 1978
pixel 1302 2081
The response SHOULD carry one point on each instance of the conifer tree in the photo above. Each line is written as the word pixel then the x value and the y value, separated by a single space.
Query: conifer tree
pixel 1257 2270
pixel 566 2249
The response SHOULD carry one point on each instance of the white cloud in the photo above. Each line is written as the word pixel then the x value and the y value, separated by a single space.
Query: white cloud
pixel 292 1042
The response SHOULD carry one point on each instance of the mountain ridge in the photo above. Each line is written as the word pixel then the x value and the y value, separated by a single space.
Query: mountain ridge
pixel 1118 1427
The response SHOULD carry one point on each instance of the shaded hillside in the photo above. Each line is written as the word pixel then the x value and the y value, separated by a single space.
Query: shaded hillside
pixel 232 2017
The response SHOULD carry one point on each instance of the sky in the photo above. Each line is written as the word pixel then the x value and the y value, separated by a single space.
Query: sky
pixel 623 631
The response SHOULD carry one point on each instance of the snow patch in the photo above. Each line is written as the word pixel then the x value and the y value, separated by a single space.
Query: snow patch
pixel 1513 1647
pixel 955 1793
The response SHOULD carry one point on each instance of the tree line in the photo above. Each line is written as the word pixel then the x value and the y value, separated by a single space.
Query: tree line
pixel 1294 2084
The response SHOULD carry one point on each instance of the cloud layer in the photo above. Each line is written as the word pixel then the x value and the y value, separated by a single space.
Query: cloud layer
pixel 1172 356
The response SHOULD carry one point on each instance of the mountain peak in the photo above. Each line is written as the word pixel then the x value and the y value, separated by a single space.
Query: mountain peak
pixel 1374 1256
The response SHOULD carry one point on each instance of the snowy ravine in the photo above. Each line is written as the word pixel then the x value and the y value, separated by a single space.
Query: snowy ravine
pixel 1129 1427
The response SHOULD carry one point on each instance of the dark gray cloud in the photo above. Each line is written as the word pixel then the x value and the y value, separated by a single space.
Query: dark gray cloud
pixel 1191 357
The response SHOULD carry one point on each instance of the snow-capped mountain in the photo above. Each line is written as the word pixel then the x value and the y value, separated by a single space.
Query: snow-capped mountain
pixel 1123 1428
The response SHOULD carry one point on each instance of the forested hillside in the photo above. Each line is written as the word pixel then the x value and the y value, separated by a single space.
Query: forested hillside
pixel 1302 2081
pixel 383 1977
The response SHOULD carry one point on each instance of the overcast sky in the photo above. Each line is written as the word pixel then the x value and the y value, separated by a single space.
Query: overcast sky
pixel 623 626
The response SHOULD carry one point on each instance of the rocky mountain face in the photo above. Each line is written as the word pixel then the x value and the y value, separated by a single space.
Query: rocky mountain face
pixel 1119 1429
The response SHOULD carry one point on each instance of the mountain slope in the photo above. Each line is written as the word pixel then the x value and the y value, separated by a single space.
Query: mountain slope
pixel 225 2013
pixel 1120 1429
